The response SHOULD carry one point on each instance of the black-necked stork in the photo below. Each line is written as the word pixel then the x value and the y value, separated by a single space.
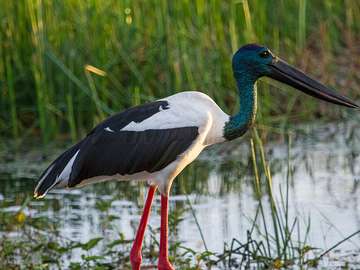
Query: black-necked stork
pixel 157 140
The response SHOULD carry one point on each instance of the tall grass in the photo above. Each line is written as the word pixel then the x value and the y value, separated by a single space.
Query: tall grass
pixel 147 49
pixel 284 245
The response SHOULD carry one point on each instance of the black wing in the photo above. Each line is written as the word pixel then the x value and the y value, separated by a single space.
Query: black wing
pixel 107 150
pixel 116 122
pixel 106 153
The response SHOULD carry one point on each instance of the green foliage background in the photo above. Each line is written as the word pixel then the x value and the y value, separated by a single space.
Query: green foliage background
pixel 150 49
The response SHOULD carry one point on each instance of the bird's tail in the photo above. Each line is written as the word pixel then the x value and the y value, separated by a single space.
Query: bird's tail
pixel 57 173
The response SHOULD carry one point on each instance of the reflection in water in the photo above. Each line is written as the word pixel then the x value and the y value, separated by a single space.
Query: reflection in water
pixel 325 186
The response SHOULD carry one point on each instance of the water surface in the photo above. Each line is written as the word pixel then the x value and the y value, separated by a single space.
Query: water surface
pixel 324 188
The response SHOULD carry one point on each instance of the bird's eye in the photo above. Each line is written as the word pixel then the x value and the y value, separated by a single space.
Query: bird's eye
pixel 264 54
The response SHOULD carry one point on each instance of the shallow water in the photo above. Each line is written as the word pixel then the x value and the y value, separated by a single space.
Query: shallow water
pixel 324 160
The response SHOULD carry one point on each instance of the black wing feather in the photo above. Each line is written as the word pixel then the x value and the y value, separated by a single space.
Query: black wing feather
pixel 55 168
pixel 121 152
pixel 127 152
pixel 135 114
pixel 115 122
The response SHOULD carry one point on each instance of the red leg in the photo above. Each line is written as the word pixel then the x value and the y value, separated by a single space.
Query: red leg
pixel 135 253
pixel 164 263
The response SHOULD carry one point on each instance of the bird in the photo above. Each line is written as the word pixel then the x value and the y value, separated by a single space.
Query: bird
pixel 155 141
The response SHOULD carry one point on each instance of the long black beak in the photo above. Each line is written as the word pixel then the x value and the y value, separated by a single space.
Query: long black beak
pixel 283 72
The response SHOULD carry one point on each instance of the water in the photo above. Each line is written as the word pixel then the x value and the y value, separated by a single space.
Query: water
pixel 324 187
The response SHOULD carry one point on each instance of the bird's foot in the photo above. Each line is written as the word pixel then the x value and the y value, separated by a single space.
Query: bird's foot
pixel 164 264
pixel 135 259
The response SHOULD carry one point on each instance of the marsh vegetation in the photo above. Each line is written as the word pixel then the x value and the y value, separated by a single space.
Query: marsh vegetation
pixel 65 65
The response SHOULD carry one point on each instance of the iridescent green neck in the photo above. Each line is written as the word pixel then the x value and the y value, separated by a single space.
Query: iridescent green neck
pixel 243 120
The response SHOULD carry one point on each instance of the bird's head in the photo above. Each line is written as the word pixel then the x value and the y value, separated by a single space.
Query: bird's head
pixel 253 61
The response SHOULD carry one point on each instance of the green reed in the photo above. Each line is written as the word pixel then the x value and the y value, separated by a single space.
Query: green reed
pixel 282 247
pixel 147 50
